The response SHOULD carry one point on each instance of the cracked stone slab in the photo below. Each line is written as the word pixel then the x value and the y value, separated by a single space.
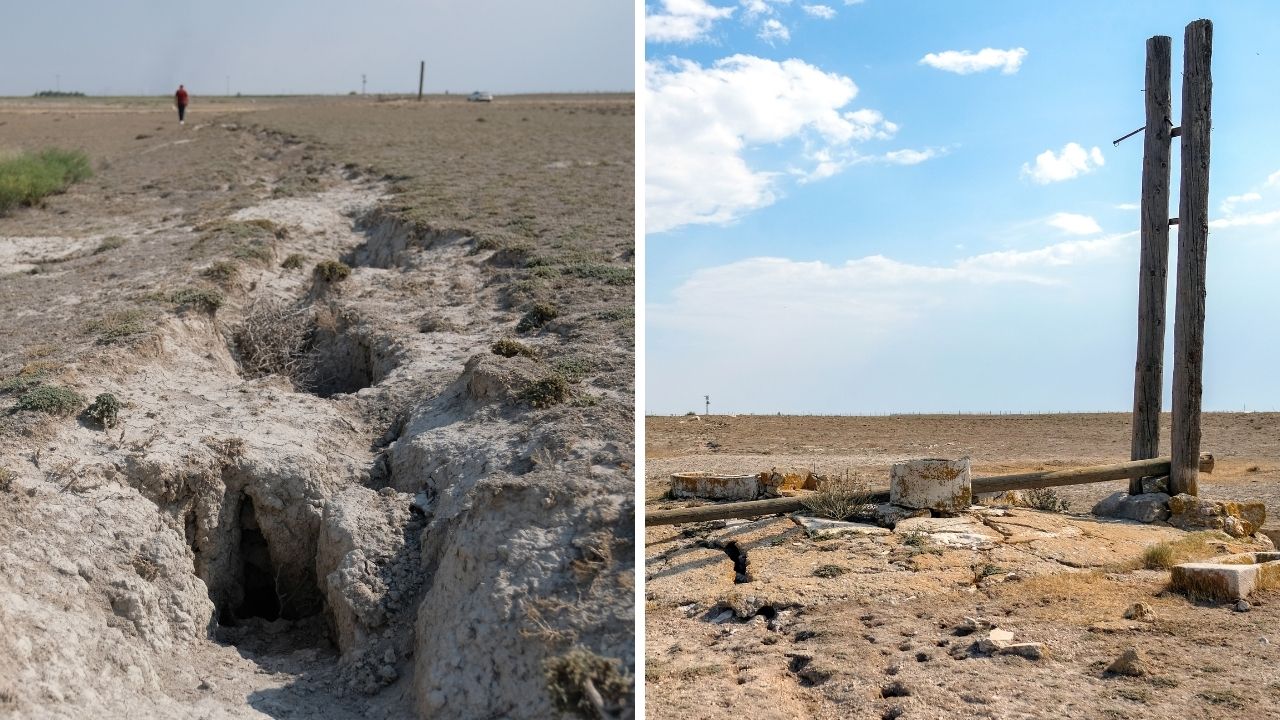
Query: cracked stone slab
pixel 823 528
pixel 960 532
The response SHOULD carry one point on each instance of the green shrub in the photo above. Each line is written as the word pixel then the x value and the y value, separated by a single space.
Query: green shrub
pixel 27 178
pixel 506 347
pixel 258 252
pixel 119 325
pixel 21 384
pixel 205 299
pixel 332 270
pixel 540 314
pixel 1046 499
pixel 222 271
pixel 109 243
pixel 547 391
pixel 105 410
pixel 293 262
pixel 50 399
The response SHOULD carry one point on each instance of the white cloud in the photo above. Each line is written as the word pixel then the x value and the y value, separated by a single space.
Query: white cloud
pixel 701 120
pixel 1273 179
pixel 1074 224
pixel 773 29
pixel 875 294
pixel 965 62
pixel 1229 205
pixel 1071 162
pixel 854 2
pixel 1128 206
pixel 908 156
pixel 756 8
pixel 683 21
pixel 1247 219
pixel 825 12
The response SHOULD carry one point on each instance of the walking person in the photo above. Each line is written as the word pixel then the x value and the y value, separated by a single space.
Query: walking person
pixel 180 98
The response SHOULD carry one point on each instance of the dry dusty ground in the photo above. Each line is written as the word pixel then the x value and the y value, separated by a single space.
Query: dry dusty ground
pixel 885 609
pixel 385 518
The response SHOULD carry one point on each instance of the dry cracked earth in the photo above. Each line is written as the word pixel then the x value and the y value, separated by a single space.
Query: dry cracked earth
pixel 402 490
pixel 760 619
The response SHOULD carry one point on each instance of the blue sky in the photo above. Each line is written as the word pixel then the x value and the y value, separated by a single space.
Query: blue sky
pixel 132 47
pixel 895 205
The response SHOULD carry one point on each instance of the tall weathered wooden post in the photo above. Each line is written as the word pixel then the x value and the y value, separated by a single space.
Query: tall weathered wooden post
pixel 422 74
pixel 1153 274
pixel 1193 237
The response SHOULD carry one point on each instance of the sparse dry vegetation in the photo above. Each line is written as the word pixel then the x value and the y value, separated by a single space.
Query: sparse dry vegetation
pixel 273 339
pixel 50 399
pixel 28 178
pixel 838 498
pixel 537 316
pixel 331 271
pixel 506 347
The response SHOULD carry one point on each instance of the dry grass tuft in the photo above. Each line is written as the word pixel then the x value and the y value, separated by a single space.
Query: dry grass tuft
pixel 332 270
pixel 839 498
pixel 1196 546
pixel 506 347
pixel 273 338
pixel 587 684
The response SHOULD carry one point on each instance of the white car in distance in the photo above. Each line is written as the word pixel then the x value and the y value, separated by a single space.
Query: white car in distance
pixel 480 96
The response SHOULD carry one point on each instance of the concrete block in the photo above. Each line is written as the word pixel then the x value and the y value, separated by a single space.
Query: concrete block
pixel 931 483
pixel 1230 577
pixel 715 487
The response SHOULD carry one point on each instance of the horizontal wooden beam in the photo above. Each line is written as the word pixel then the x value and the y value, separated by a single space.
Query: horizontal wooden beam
pixel 995 483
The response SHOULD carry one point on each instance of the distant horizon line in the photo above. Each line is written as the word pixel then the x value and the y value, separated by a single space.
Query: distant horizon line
pixel 411 93
pixel 946 413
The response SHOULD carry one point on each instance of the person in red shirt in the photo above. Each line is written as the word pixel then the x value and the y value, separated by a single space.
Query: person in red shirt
pixel 180 98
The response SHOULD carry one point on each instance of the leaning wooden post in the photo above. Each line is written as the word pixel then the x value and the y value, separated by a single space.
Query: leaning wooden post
pixel 1193 246
pixel 1152 277
pixel 422 74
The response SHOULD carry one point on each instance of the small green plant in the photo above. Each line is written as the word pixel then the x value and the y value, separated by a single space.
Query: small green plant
pixel 547 391
pixel 1046 499
pixel 28 178
pixel 105 410
pixel 506 347
pixel 50 399
pixel 915 538
pixel 293 262
pixel 254 252
pixel 205 299
pixel 574 367
pixel 109 243
pixel 829 571
pixel 537 316
pixel 1228 698
pixel 21 383
pixel 579 679
pixel 7 477
pixel 332 270
pixel 222 271
pixel 986 571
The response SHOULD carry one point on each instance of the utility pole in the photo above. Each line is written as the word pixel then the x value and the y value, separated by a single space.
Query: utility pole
pixel 422 73
pixel 58 83
pixel 707 398
pixel 1193 247
pixel 1154 272
pixel 362 83
pixel 228 86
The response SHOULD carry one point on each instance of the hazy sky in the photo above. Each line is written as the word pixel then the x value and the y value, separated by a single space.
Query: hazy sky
pixel 906 205
pixel 132 47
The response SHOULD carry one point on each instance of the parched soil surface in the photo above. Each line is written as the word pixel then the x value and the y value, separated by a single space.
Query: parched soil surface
pixel 373 363
pixel 879 625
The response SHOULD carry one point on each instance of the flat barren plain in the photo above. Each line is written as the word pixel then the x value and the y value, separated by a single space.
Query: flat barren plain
pixel 888 624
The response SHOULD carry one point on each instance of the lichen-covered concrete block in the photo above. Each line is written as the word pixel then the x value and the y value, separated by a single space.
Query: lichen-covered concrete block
pixel 935 484
pixel 1238 519
pixel 715 487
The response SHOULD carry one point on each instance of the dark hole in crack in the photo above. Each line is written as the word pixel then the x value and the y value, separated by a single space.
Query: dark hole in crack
pixel 739 558
pixel 258 574
pixel 346 361
pixel 190 529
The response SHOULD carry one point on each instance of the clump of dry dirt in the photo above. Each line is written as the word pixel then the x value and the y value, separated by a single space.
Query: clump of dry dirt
pixel 325 495
pixel 886 624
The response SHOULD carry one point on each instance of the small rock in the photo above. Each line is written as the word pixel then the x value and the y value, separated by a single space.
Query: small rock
pixel 1131 663
pixel 1030 651
pixel 893 713
pixel 207 685
pixel 893 670
pixel 1140 611
pixel 995 640
pixel 389 657
pixel 1242 606
pixel 387 673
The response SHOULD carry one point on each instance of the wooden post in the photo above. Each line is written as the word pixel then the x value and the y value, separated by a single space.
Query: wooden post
pixel 422 74
pixel 1152 277
pixel 1193 245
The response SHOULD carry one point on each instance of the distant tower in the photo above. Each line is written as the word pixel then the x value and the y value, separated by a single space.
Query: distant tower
pixel 707 398
pixel 362 83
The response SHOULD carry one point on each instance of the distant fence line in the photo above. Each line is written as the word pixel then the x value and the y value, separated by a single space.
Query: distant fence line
pixel 984 413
